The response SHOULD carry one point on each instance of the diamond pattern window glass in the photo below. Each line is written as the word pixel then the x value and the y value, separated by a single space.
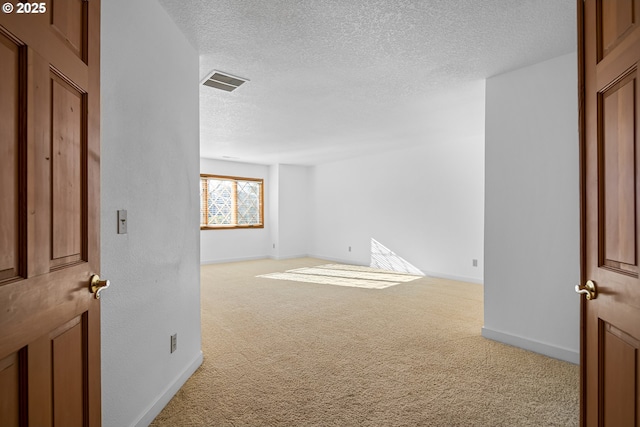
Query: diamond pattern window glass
pixel 231 202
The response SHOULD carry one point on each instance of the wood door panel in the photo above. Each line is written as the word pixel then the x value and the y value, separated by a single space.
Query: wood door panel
pixel 49 301
pixel 69 380
pixel 619 60
pixel 619 376
pixel 609 54
pixel 618 146
pixel 40 393
pixel 68 148
pixel 42 37
pixel 69 20
pixel 38 165
pixel 10 391
pixel 10 107
pixel 618 19
pixel 50 193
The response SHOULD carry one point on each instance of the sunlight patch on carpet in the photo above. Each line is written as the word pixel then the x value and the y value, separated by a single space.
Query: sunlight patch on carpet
pixel 345 275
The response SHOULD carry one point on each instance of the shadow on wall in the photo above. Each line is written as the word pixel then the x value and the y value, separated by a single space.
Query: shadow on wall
pixel 385 259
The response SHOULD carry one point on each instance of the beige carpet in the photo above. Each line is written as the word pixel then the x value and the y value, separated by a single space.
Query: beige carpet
pixel 344 275
pixel 284 353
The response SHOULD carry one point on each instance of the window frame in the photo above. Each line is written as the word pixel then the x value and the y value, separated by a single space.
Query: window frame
pixel 234 197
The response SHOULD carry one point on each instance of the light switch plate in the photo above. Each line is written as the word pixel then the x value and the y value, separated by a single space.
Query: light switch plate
pixel 174 342
pixel 122 221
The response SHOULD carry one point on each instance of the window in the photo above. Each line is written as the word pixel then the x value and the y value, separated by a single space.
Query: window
pixel 231 202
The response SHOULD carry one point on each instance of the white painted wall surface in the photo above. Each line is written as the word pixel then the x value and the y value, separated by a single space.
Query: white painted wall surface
pixel 293 211
pixel 532 208
pixel 425 203
pixel 150 149
pixel 286 230
pixel 273 224
pixel 237 244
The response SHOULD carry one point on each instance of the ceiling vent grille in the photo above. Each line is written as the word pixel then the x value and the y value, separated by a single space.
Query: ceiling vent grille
pixel 223 81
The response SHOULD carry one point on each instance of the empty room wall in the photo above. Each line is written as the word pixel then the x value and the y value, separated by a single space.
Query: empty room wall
pixel 532 208
pixel 425 203
pixel 290 196
pixel 237 244
pixel 286 212
pixel 149 166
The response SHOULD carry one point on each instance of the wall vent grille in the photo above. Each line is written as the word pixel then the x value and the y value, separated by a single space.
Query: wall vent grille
pixel 223 81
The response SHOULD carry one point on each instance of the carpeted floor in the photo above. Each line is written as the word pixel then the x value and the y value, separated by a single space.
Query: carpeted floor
pixel 285 353
pixel 345 275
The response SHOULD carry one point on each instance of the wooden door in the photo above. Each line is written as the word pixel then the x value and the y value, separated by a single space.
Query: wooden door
pixel 49 213
pixel 609 53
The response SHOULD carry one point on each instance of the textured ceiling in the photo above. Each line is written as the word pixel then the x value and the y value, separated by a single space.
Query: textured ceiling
pixel 331 78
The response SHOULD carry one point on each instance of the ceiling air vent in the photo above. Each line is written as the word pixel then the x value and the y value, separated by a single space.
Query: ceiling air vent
pixel 223 81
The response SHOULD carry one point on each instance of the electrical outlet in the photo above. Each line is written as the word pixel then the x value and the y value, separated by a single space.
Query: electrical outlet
pixel 174 342
pixel 475 262
pixel 349 248
pixel 274 246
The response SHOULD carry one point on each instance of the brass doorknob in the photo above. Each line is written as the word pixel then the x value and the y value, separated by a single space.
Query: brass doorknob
pixel 96 285
pixel 589 290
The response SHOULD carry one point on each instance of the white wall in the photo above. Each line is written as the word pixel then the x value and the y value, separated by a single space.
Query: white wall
pixel 291 234
pixel 150 168
pixel 425 203
pixel 272 195
pixel 532 208
pixel 286 217
pixel 238 244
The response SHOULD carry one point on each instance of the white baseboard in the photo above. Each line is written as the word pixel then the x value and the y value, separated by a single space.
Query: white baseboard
pixel 223 260
pixel 453 277
pixel 338 260
pixel 274 257
pixel 152 412
pixel 280 258
pixel 556 352
pixel 252 258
